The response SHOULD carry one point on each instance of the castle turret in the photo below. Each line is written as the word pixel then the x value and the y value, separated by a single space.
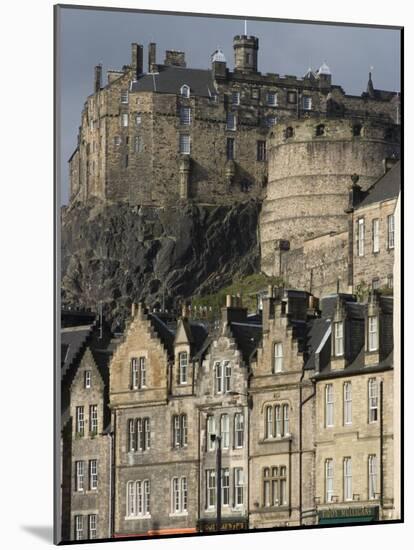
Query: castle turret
pixel 245 53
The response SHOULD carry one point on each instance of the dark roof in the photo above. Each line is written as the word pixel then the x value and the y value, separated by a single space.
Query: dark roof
pixel 328 303
pixel 247 337
pixel 387 187
pixel 199 332
pixel 316 330
pixel 170 79
pixel 72 343
pixel 165 334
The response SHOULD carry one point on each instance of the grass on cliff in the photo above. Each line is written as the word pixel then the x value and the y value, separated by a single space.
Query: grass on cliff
pixel 247 287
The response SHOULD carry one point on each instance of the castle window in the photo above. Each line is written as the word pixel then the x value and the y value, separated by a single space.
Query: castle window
pixel 372 400
pixel 185 90
pixel 185 116
pixel 138 144
pixel 235 98
pixel 138 498
pixel 289 132
pixel 231 121
pixel 225 431
pixel 124 96
pixel 372 477
pixel 375 235
pixel 179 495
pixel 78 527
pixel 124 120
pixel 291 97
pixel 87 379
pixel 307 104
pixel 138 373
pixel 278 357
pixel 347 478
pixel 320 130
pixel 230 149
pixel 329 405
pixel 93 419
pixel 79 484
pixel 271 99
pixel 329 478
pixel 372 333
pixel 360 236
pixel 210 488
pixel 184 144
pixel 117 140
pixel 93 474
pixel 338 339
pixel 80 421
pixel 238 430
pixel 139 434
pixel 356 130
pixel 391 231
pixel 347 403
pixel 183 367
pixel 238 487
pixel 225 486
pixel 92 526
pixel 261 150
pixel 274 486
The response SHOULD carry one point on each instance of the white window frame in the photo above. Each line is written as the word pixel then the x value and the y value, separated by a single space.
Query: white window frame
pixel 185 116
pixel 235 98
pixel 78 527
pixel 373 400
pixel 210 489
pixel 185 144
pixel 225 431
pixel 307 103
pixel 391 231
pixel 147 497
pixel 261 153
pixel 88 379
pixel 184 494
pixel 142 372
pixel 347 465
pixel 278 421
pixel 138 144
pixel 185 91
pixel 360 237
pixel 176 431
pixel 184 430
pixel 338 338
pixel 329 405
pixel 132 443
pixel 147 433
pixel 138 120
pixel 269 422
pixel 93 414
pixel 329 479
pixel 238 487
pixel 231 122
pixel 372 333
pixel 227 376
pixel 347 403
pixel 124 97
pixel 285 409
pixel 271 99
pixel 211 430
pixel 218 375
pixel 124 120
pixel 131 499
pixel 92 526
pixel 282 486
pixel 80 476
pixel 372 476
pixel 183 367
pixel 175 495
pixel 225 486
pixel 375 235
pixel 239 430
pixel 80 420
pixel 93 474
pixel 134 373
pixel 277 357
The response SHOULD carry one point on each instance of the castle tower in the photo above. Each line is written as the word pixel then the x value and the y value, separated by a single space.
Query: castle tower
pixel 310 167
pixel 245 53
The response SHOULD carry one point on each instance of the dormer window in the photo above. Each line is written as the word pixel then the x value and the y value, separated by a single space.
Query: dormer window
pixel 373 333
pixel 339 338
pixel 183 367
pixel 278 357
pixel 185 91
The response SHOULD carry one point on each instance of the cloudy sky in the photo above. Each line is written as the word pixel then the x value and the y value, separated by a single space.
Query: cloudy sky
pixel 89 37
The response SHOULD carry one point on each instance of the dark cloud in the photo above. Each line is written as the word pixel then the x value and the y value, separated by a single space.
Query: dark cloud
pixel 89 37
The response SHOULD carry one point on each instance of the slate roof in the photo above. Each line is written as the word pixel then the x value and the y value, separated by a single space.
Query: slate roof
pixel 73 340
pixel 170 79
pixel 199 332
pixel 165 334
pixel 247 337
pixel 387 187
pixel 316 331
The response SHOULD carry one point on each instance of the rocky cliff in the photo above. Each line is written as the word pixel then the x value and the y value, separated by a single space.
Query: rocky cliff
pixel 117 254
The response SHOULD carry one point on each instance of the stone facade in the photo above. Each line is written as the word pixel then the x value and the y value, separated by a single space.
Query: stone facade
pixel 178 133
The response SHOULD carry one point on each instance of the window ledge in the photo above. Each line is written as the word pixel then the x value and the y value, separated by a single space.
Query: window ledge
pixel 129 518
pixel 178 514
pixel 286 437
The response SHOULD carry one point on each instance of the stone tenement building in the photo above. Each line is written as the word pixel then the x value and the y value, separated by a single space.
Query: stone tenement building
pixel 206 134
pixel 294 402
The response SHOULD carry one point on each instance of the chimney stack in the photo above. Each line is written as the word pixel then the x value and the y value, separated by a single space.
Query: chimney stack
pixel 152 55
pixel 98 78
pixel 137 60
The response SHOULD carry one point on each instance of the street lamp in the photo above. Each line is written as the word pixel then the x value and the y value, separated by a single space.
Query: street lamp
pixel 217 438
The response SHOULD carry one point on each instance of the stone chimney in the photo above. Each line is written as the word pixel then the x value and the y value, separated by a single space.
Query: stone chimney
pixel 175 58
pixel 98 78
pixel 137 60
pixel 152 57
pixel 234 312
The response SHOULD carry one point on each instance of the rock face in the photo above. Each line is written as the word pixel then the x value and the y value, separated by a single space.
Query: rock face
pixel 118 254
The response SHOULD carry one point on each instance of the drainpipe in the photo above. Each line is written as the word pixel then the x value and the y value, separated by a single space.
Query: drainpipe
pixel 113 453
pixel 301 404
pixel 381 447
pixel 110 486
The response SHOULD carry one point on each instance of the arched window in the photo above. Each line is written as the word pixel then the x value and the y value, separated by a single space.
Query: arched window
pixel 185 90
